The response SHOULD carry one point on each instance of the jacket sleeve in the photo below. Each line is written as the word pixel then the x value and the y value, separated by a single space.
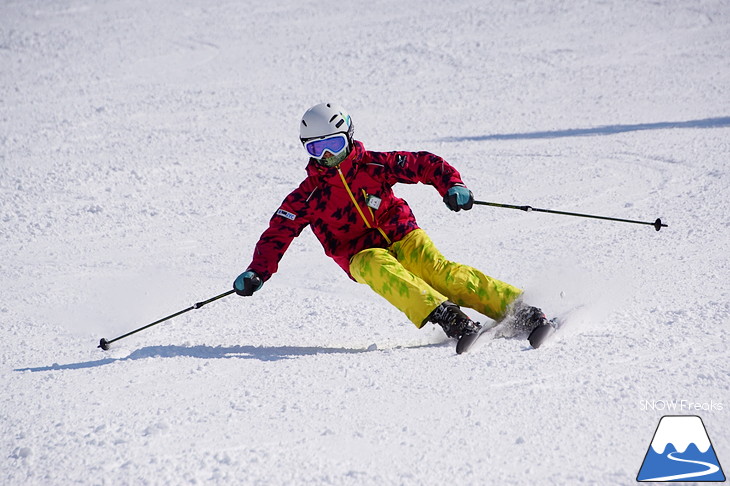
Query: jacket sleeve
pixel 423 167
pixel 286 224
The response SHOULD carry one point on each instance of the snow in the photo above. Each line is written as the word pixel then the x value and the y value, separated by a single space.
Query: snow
pixel 145 145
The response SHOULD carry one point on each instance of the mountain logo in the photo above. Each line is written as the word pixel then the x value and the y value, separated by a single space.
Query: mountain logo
pixel 681 451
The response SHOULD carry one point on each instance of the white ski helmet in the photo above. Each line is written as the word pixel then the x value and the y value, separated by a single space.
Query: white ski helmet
pixel 322 121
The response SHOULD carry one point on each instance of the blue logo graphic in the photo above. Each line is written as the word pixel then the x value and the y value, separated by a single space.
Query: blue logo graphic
pixel 681 451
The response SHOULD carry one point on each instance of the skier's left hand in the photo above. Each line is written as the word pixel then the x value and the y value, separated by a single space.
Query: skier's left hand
pixel 459 197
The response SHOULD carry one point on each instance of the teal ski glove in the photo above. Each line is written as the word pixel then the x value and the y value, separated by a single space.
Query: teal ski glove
pixel 459 197
pixel 247 283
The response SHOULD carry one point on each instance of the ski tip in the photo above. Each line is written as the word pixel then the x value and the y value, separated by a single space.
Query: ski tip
pixel 540 334
pixel 465 342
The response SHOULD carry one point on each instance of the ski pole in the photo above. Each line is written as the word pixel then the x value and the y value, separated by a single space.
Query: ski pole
pixel 104 344
pixel 656 224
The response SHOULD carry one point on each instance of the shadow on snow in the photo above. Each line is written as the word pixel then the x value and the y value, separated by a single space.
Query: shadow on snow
pixel 261 353
pixel 719 122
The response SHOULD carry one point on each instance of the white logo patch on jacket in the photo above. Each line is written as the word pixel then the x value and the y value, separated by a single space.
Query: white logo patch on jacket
pixel 286 214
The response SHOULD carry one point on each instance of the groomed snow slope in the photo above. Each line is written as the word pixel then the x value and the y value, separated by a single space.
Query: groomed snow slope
pixel 145 145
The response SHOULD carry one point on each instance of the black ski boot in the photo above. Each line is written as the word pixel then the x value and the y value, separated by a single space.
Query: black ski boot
pixel 456 325
pixel 527 318
pixel 529 321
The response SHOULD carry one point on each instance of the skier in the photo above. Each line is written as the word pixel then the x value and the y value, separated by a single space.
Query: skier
pixel 348 200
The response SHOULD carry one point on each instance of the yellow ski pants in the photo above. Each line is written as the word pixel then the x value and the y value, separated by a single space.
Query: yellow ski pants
pixel 416 278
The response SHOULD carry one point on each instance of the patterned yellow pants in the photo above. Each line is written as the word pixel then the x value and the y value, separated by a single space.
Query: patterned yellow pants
pixel 416 278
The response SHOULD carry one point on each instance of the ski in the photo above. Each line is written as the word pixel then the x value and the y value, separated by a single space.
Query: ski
pixel 539 336
pixel 541 333
pixel 466 342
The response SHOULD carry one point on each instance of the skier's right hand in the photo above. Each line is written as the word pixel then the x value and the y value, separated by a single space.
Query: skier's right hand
pixel 247 283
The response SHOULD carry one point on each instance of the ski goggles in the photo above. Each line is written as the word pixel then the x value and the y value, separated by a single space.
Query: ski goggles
pixel 334 144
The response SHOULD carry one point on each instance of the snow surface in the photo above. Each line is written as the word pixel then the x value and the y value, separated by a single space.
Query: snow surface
pixel 144 146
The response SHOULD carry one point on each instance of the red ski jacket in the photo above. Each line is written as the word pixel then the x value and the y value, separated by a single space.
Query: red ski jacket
pixel 351 207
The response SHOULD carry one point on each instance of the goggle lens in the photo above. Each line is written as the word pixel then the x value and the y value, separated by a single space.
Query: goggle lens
pixel 335 145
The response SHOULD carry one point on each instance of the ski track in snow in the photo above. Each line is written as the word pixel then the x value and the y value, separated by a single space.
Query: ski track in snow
pixel 144 147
